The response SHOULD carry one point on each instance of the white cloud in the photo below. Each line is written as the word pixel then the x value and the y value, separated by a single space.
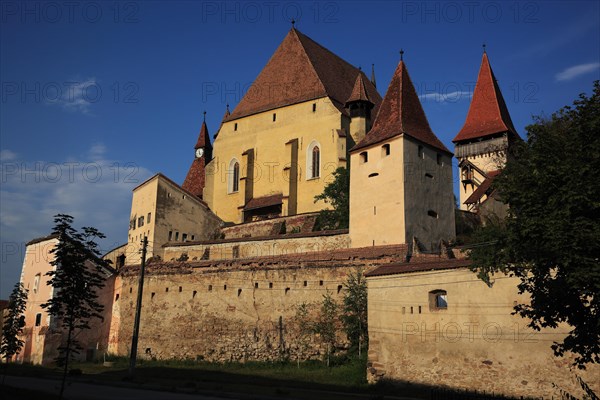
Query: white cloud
pixel 576 70
pixel 78 96
pixel 96 192
pixel 7 155
pixel 450 97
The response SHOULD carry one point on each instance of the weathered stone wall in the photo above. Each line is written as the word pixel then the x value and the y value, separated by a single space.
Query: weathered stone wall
pixel 258 247
pixel 231 310
pixel 303 223
pixel 475 343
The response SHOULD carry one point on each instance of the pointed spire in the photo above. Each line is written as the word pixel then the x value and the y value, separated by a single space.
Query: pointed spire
pixel 203 138
pixel 373 75
pixel 359 92
pixel 401 113
pixel 488 114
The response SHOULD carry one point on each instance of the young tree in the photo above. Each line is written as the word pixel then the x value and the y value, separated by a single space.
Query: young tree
pixel 550 238
pixel 14 323
pixel 327 323
pixel 76 278
pixel 336 193
pixel 304 328
pixel 354 317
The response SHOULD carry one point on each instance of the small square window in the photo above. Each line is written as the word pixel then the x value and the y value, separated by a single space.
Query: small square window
pixel 184 237
pixel 439 159
pixel 438 300
pixel 176 235
pixel 170 235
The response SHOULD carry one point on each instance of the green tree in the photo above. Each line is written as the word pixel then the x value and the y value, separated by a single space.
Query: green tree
pixel 336 193
pixel 76 278
pixel 550 238
pixel 327 324
pixel 354 317
pixel 304 328
pixel 14 323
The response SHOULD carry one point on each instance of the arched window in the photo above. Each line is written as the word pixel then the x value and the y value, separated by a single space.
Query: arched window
pixel 234 176
pixel 313 160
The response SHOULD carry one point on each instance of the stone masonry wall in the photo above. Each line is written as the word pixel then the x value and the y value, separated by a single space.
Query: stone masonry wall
pixel 236 310
pixel 272 246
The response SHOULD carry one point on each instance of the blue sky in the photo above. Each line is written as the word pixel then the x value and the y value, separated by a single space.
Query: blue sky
pixel 98 96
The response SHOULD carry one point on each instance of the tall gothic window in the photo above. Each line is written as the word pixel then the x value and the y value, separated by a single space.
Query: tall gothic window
pixel 233 181
pixel 313 160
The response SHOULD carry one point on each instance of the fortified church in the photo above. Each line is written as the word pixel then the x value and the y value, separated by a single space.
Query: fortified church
pixel 236 248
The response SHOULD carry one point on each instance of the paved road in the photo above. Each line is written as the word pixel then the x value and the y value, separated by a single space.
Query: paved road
pixel 88 391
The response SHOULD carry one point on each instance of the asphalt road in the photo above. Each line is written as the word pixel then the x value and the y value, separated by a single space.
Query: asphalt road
pixel 88 391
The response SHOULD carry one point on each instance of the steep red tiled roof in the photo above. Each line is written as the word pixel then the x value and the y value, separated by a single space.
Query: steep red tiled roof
pixel 487 114
pixel 401 113
pixel 483 188
pixel 359 92
pixel 265 201
pixel 301 70
pixel 203 137
pixel 195 179
pixel 419 266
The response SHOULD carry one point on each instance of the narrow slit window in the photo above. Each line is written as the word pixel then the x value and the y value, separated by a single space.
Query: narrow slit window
pixel 170 235
pixel 235 126
pixel 274 117
pixel 364 157
pixel 385 150
pixel 38 319
pixel 421 152
pixel 314 107
pixel 439 159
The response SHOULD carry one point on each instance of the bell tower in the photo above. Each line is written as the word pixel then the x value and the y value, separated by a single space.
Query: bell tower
pixel 481 146
pixel 195 179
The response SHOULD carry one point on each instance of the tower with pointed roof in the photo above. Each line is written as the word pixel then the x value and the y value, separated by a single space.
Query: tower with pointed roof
pixel 401 176
pixel 482 143
pixel 280 144
pixel 195 178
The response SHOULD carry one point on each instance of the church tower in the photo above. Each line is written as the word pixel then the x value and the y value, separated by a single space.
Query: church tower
pixel 359 107
pixel 195 179
pixel 401 176
pixel 482 143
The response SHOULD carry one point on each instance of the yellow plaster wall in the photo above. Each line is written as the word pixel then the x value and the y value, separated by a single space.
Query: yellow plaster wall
pixel 474 344
pixel 172 210
pixel 377 202
pixel 268 139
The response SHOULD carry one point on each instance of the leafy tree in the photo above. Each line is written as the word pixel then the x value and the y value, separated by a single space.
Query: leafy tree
pixel 14 323
pixel 76 278
pixel 327 323
pixel 550 238
pixel 354 317
pixel 305 328
pixel 336 193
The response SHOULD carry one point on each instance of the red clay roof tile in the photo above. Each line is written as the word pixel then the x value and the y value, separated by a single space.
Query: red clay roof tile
pixel 483 188
pixel 301 70
pixel 265 201
pixel 359 92
pixel 419 266
pixel 401 113
pixel 488 114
